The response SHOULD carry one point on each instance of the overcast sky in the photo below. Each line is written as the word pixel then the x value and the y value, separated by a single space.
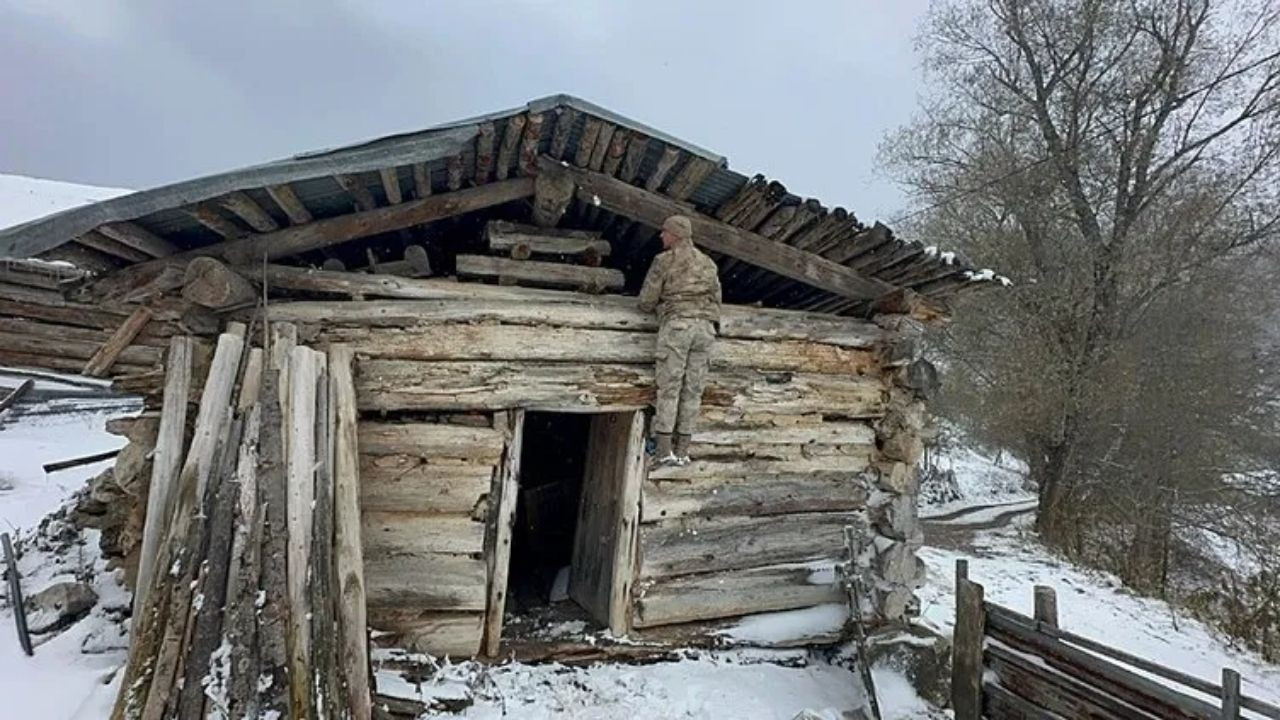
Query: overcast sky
pixel 137 93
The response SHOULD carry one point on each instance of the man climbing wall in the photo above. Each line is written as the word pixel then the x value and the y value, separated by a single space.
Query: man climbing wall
pixel 684 288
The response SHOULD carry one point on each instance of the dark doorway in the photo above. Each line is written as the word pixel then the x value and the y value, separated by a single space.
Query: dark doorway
pixel 552 465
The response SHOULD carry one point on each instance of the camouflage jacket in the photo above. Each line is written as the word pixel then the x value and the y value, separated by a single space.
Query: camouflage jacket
pixel 682 283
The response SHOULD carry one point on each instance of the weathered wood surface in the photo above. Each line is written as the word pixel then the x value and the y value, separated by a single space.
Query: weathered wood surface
pixel 758 495
pixel 425 385
pixel 1123 684
pixel 289 202
pixel 427 581
pixel 348 546
pixel 300 470
pixel 754 467
pixel 535 272
pixel 422 487
pixel 504 236
pixel 465 341
pixel 606 517
pixel 558 307
pixel 966 663
pixel 404 532
pixel 330 231
pixel 653 209
pixel 825 433
pixel 272 477
pixel 737 592
pixel 138 238
pixel 244 567
pixel 501 521
pixel 698 545
pixel 77 353
pixel 113 349
pixel 245 208
pixel 457 634
pixel 432 442
pixel 208 282
pixel 1053 690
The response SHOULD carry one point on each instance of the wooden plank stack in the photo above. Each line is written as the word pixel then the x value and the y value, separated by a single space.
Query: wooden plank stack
pixel 251 556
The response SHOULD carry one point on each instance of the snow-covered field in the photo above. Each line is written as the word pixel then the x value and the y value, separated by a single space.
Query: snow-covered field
pixel 981 478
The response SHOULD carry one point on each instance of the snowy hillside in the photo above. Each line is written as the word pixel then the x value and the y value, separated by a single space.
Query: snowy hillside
pixel 25 198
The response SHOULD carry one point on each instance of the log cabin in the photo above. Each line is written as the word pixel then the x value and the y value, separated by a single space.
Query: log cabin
pixel 399 391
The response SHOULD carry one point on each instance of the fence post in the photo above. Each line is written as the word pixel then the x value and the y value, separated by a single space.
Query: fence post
pixel 1046 605
pixel 962 573
pixel 966 650
pixel 1230 694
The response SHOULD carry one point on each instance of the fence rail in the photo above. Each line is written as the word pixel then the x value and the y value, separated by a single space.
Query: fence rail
pixel 1008 665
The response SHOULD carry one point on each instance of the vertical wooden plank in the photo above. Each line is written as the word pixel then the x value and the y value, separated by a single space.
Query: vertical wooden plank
pixel 962 573
pixel 1046 605
pixel 634 471
pixel 300 448
pixel 1230 694
pixel 349 555
pixel 966 663
pixel 165 462
pixel 506 483
pixel 327 699
pixel 273 618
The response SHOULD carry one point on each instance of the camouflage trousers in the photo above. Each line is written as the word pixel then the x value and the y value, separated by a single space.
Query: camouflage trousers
pixel 684 353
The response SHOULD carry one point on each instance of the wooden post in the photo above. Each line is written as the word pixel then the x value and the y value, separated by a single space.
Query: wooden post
pixel 966 658
pixel 962 573
pixel 1230 694
pixel 628 528
pixel 165 463
pixel 300 466
pixel 352 623
pixel 106 355
pixel 505 488
pixel 1046 605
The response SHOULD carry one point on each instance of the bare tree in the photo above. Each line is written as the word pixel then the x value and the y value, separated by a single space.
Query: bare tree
pixel 1111 157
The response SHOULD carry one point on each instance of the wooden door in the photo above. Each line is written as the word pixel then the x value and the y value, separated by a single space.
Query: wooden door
pixel 605 543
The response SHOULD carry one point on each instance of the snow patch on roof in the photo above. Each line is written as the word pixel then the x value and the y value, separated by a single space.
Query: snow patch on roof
pixel 25 198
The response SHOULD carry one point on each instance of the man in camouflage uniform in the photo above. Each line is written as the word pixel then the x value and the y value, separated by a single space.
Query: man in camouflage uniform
pixel 684 288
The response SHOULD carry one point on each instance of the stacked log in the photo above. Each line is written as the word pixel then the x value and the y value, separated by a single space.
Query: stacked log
pixel 789 450
pixel 41 328
pixel 240 596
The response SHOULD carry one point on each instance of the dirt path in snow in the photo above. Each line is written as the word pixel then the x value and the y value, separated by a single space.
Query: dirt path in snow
pixel 944 531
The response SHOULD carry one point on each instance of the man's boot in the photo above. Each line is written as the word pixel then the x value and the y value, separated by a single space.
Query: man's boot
pixel 681 448
pixel 662 454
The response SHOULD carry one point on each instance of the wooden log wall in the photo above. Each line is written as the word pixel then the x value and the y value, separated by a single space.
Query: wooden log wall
pixel 41 328
pixel 424 487
pixel 807 426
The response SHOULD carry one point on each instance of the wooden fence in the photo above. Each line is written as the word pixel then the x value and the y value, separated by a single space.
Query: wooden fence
pixel 1008 665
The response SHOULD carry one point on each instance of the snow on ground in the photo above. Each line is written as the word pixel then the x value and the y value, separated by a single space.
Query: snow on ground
pixel 980 477
pixel 25 198
pixel 758 684
pixel 980 514
pixel 62 680
pixel 26 492
pixel 1008 561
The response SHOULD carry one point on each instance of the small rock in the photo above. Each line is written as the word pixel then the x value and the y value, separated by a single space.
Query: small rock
pixel 107 637
pixel 59 606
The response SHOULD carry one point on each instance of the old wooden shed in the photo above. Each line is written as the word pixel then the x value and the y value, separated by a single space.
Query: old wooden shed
pixel 400 386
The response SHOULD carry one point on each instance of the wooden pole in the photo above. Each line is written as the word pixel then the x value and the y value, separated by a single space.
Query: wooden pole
pixel 12 398
pixel 348 551
pixel 966 659
pixel 1230 694
pixel 77 462
pixel 165 462
pixel 1046 605
pixel 106 355
pixel 15 595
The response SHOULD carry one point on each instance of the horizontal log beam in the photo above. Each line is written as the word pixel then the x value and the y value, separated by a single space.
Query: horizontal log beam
pixel 529 306
pixel 651 208
pixel 686 546
pixel 736 592
pixel 547 274
pixel 332 231
pixel 754 496
pixel 505 236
